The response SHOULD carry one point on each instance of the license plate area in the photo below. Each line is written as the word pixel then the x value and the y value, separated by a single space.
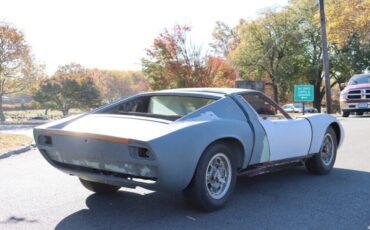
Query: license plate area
pixel 362 105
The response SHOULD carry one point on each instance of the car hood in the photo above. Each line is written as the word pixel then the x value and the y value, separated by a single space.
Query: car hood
pixel 358 86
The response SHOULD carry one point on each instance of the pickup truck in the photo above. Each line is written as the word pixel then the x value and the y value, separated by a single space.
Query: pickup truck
pixel 355 97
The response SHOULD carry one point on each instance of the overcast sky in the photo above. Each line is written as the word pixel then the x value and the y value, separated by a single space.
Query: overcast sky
pixel 112 34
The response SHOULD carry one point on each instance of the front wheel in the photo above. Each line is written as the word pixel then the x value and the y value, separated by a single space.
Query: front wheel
pixel 344 113
pixel 214 179
pixel 323 162
pixel 99 187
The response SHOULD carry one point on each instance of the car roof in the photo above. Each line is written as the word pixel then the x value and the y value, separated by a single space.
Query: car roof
pixel 223 91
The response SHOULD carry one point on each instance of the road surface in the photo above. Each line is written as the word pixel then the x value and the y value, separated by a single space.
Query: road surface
pixel 34 195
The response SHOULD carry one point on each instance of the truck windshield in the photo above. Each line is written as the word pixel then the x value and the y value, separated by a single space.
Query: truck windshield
pixel 361 79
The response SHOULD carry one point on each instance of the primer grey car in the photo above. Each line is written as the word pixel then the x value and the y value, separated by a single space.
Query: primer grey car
pixel 191 140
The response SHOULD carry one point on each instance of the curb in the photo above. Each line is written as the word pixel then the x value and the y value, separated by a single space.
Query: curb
pixel 23 123
pixel 15 152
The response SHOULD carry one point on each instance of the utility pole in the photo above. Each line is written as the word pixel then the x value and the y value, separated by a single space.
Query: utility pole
pixel 325 57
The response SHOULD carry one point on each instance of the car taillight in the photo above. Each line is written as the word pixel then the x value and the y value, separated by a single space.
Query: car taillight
pixel 141 153
pixel 44 140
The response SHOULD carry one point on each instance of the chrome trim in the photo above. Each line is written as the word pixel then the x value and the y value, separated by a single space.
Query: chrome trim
pixel 358 94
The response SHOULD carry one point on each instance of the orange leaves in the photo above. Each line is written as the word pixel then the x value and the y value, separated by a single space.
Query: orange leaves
pixel 347 17
pixel 173 61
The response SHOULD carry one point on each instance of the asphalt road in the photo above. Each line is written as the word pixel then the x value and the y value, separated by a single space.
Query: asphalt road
pixel 33 195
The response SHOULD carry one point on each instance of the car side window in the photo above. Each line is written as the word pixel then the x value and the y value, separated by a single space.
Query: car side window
pixel 264 108
pixel 139 104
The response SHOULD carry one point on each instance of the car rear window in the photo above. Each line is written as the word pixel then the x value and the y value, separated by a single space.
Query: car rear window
pixel 168 107
pixel 176 105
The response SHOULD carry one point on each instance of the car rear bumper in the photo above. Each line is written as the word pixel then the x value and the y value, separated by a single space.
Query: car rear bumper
pixel 117 162
pixel 355 105
pixel 104 176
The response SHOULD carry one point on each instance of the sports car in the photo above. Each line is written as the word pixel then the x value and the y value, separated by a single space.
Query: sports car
pixel 192 140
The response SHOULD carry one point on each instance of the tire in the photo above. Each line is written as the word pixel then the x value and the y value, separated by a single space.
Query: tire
pixel 359 113
pixel 344 113
pixel 99 188
pixel 323 162
pixel 214 179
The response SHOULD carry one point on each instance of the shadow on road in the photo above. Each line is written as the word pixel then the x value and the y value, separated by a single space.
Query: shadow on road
pixel 16 219
pixel 290 199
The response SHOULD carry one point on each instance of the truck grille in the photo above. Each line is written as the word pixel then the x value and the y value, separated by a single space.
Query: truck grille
pixel 359 94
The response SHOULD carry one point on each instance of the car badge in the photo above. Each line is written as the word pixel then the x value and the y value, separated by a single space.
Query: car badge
pixel 363 94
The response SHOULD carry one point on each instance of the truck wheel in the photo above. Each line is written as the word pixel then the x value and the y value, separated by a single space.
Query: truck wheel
pixel 359 113
pixel 214 179
pixel 99 187
pixel 323 162
pixel 344 113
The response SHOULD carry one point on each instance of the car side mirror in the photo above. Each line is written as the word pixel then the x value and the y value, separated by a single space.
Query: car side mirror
pixel 343 85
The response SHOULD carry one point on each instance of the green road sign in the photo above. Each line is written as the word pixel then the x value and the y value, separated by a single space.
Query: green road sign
pixel 303 93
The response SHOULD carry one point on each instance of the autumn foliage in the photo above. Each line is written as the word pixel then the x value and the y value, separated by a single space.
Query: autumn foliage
pixel 174 62
pixel 73 86
pixel 70 87
pixel 15 63
pixel 115 84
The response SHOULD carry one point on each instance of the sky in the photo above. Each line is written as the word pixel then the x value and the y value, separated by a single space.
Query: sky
pixel 113 34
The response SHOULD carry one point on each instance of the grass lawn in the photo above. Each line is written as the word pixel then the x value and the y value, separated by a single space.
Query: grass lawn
pixel 12 141
pixel 25 115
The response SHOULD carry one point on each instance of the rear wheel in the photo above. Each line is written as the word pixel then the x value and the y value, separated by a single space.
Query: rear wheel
pixel 99 187
pixel 323 162
pixel 360 113
pixel 214 179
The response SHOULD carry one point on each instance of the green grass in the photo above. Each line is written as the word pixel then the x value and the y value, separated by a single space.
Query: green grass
pixel 10 142
pixel 25 115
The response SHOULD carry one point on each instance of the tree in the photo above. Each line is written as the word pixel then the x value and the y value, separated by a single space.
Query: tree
pixel 225 38
pixel 266 48
pixel 70 87
pixel 120 84
pixel 173 62
pixel 283 46
pixel 351 56
pixel 113 85
pixel 221 71
pixel 348 27
pixel 346 18
pixel 15 63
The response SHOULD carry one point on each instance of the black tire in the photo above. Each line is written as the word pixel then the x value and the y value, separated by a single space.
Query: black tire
pixel 99 188
pixel 321 163
pixel 359 113
pixel 345 113
pixel 198 192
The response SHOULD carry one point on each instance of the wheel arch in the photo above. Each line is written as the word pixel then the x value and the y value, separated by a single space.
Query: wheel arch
pixel 338 132
pixel 236 146
pixel 320 123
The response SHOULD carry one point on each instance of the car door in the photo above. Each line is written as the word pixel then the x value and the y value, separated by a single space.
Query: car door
pixel 287 137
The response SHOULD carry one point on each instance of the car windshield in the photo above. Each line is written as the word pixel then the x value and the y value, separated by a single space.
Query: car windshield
pixel 361 79
pixel 298 105
pixel 161 106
